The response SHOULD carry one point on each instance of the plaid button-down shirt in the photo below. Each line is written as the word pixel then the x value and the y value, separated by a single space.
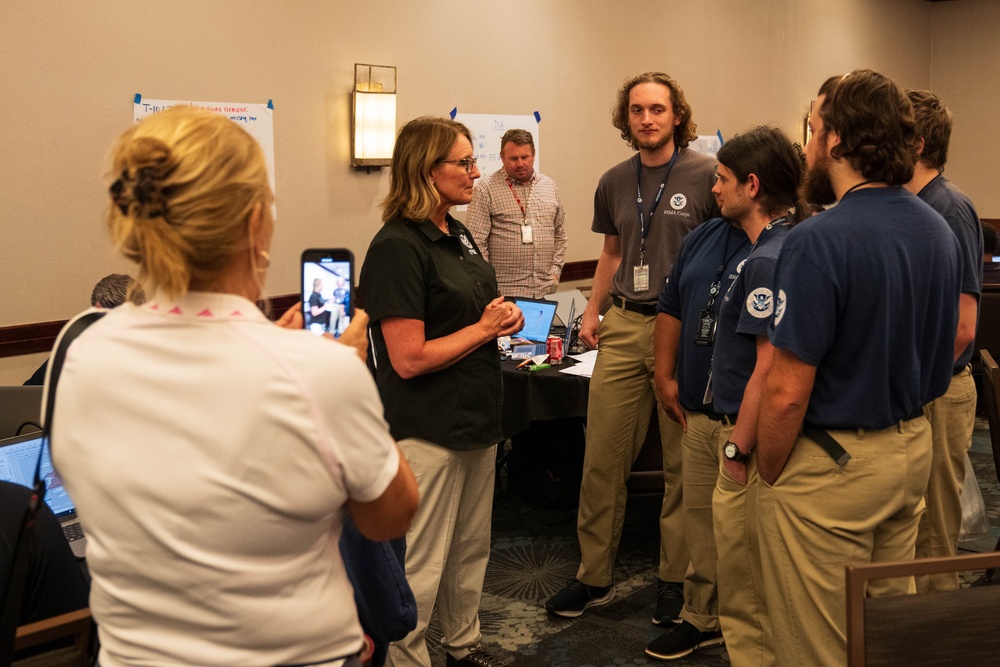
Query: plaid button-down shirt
pixel 496 219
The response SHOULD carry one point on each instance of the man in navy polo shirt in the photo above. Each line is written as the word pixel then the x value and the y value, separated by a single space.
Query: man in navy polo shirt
pixel 953 416
pixel 864 335
pixel 685 333
pixel 759 177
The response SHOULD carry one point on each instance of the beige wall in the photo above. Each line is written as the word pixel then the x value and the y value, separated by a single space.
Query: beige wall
pixel 70 71
pixel 965 72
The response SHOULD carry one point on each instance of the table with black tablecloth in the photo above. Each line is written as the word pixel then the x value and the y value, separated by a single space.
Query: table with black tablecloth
pixel 544 413
pixel 541 395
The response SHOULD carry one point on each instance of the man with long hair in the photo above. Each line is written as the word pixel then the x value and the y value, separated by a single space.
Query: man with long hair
pixel 644 207
pixel 843 446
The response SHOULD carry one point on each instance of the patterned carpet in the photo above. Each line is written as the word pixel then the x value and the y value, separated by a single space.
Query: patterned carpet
pixel 535 553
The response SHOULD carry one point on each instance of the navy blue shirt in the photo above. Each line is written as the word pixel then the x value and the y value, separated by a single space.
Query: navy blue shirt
pixel 746 314
pixel 868 293
pixel 958 212
pixel 712 252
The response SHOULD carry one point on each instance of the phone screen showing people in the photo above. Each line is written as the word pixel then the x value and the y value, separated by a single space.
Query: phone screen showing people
pixel 327 277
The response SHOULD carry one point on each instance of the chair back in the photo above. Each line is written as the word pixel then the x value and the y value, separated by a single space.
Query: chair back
pixel 68 639
pixel 18 405
pixel 991 397
pixel 929 629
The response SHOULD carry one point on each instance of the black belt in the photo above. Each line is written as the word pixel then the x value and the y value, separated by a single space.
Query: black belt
pixel 632 306
pixel 819 435
pixel 829 445
pixel 728 420
pixel 958 369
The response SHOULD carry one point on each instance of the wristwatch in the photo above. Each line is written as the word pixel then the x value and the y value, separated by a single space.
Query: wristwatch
pixel 732 452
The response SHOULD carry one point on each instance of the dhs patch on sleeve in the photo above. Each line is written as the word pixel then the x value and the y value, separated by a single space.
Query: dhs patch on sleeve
pixel 760 303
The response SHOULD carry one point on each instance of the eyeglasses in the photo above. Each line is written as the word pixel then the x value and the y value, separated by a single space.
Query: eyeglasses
pixel 468 163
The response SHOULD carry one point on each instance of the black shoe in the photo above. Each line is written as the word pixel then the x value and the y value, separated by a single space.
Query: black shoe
pixel 577 597
pixel 669 602
pixel 681 640
pixel 477 658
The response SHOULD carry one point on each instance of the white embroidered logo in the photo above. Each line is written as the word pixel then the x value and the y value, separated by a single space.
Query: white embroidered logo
pixel 779 307
pixel 760 303
pixel 467 243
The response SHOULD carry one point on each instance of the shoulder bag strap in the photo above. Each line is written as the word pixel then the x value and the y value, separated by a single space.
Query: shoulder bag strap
pixel 13 592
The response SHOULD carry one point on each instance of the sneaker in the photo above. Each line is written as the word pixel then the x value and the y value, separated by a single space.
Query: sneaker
pixel 669 602
pixel 477 658
pixel 577 597
pixel 681 640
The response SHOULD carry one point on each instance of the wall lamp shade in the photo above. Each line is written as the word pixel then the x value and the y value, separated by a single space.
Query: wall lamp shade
pixel 373 116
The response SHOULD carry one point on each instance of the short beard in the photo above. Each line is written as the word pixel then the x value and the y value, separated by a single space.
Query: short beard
pixel 656 145
pixel 818 188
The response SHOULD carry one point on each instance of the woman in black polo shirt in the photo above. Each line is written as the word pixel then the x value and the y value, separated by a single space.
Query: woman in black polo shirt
pixel 435 317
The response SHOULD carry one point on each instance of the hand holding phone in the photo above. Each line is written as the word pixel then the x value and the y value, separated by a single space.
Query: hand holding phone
pixel 327 284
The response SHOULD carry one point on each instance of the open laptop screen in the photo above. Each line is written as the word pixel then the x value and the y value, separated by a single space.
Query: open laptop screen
pixel 18 457
pixel 538 315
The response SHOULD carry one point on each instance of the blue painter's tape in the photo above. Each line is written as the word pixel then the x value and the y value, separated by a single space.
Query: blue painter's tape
pixel 718 133
pixel 138 99
pixel 538 117
pixel 270 105
pixel 453 113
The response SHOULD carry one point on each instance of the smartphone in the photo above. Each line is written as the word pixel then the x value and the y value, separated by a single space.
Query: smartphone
pixel 327 284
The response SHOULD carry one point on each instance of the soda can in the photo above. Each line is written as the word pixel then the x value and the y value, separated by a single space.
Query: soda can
pixel 554 346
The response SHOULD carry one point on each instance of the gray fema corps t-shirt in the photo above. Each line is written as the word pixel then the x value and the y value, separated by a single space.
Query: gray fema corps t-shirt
pixel 687 202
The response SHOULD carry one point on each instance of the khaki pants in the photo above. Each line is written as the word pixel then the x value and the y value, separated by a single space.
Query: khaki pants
pixel 448 547
pixel 620 405
pixel 818 518
pixel 953 418
pixel 742 603
pixel 700 471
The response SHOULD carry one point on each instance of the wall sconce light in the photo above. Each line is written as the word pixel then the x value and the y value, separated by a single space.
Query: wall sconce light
pixel 373 118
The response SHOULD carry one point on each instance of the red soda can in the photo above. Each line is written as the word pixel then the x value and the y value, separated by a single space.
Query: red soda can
pixel 554 346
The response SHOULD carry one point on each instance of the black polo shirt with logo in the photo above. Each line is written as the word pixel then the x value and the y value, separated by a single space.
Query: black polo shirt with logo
pixel 416 271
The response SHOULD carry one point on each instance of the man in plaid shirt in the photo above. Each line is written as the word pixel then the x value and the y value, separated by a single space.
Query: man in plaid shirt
pixel 516 219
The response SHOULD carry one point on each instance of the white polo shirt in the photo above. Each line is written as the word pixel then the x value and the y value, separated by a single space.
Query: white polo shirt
pixel 210 454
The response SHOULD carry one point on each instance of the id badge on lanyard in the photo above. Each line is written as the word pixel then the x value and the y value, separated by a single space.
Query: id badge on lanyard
pixel 640 272
pixel 640 277
pixel 708 319
pixel 526 235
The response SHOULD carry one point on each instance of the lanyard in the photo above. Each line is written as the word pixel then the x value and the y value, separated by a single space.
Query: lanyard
pixel 777 222
pixel 638 200
pixel 524 212
pixel 862 183
pixel 727 257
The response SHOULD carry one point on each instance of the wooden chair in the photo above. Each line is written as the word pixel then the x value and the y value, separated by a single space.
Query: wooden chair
pixel 930 629
pixel 991 400
pixel 67 639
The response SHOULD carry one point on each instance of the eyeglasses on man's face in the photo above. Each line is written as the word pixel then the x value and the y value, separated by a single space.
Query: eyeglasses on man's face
pixel 468 163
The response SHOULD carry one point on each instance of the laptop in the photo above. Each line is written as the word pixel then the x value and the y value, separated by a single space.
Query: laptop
pixel 569 328
pixel 568 300
pixel 18 405
pixel 531 339
pixel 18 458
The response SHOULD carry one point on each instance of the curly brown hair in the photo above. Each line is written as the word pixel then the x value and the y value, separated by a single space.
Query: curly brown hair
pixel 686 130
pixel 933 126
pixel 874 120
